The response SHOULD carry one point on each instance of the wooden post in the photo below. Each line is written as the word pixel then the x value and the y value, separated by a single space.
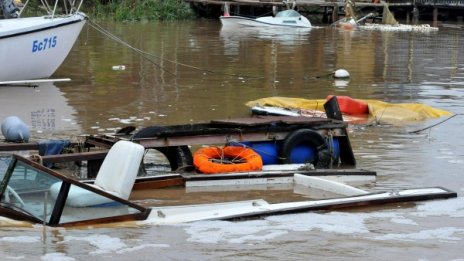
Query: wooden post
pixel 325 18
pixel 435 17
pixel 335 13
pixel 408 19
pixel 93 166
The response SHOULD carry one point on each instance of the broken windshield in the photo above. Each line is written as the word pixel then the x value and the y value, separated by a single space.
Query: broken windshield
pixel 288 13
pixel 41 194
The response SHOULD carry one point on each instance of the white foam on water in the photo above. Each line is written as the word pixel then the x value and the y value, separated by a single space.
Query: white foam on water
pixel 125 121
pixel 56 257
pixel 103 243
pixel 14 257
pixel 370 156
pixel 21 239
pixel 275 226
pixel 213 232
pixel 402 220
pixel 451 207
pixel 140 247
pixel 232 232
pixel 444 234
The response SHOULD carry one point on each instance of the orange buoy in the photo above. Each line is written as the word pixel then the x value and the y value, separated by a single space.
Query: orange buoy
pixel 351 106
pixel 210 160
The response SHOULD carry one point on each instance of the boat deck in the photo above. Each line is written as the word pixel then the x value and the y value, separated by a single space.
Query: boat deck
pixel 218 132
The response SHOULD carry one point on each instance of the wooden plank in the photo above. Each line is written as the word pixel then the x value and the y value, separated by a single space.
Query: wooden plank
pixel 19 146
pixel 157 184
pixel 92 155
pixel 268 120
pixel 280 173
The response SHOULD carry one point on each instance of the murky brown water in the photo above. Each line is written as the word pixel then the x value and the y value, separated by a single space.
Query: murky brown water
pixel 198 72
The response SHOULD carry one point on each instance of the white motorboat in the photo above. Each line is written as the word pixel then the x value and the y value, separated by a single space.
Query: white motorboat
pixel 287 18
pixel 34 47
pixel 34 193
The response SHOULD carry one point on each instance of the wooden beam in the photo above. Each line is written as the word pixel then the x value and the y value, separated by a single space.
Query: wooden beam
pixel 93 155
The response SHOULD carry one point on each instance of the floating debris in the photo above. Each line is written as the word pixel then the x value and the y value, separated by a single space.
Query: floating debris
pixel 341 73
pixel 119 67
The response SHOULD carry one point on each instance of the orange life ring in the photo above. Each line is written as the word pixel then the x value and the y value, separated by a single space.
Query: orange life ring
pixel 210 160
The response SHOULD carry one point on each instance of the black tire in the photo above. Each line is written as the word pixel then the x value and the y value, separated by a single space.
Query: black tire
pixel 148 132
pixel 179 157
pixel 310 137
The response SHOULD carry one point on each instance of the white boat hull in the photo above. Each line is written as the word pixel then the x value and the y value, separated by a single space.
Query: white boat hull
pixel 239 21
pixel 34 48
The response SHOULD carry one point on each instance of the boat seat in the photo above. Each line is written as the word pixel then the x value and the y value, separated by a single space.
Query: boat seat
pixel 116 176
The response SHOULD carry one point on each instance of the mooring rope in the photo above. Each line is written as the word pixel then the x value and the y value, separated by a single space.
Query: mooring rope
pixel 119 40
pixel 146 55
pixel 438 123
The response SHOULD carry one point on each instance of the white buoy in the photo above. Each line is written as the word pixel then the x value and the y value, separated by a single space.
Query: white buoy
pixel 119 67
pixel 14 129
pixel 341 73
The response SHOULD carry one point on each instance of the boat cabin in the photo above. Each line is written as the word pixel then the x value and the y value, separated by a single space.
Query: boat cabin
pixel 37 194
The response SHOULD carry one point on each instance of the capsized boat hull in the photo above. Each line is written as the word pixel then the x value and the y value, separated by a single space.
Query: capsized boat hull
pixel 34 47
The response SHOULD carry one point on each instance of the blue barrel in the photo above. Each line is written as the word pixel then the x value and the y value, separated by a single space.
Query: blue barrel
pixel 268 150
pixel 303 153
pixel 300 154
pixel 14 129
pixel 335 148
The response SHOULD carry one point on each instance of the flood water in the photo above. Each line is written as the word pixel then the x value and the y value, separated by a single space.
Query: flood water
pixel 194 71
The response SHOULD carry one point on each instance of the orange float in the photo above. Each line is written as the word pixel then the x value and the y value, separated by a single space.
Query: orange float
pixel 351 106
pixel 211 160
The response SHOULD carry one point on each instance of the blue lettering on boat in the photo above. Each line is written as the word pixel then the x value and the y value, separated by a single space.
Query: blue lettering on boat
pixel 44 44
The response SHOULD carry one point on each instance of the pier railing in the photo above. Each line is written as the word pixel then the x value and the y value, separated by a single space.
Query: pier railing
pixel 436 3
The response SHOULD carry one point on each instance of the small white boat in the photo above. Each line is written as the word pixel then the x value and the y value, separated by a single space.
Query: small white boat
pixel 34 47
pixel 287 18
pixel 36 194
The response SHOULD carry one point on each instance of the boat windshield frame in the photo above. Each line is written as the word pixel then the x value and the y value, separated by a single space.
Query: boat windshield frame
pixel 29 184
pixel 288 13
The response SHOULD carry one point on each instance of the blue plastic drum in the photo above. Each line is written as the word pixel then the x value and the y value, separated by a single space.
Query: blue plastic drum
pixel 269 151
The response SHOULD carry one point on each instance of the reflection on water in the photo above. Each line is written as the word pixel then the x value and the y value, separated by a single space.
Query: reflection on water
pixel 44 108
pixel 232 38
pixel 224 71
pixel 198 72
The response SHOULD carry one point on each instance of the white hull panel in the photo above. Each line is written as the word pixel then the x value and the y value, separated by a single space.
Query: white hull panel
pixel 34 48
pixel 253 208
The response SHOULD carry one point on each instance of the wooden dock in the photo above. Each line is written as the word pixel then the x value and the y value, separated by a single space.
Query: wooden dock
pixel 330 10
